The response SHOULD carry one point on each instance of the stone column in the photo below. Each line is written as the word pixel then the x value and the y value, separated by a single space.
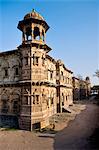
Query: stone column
pixel 44 35
pixel 23 37
pixel 32 34
pixel 40 33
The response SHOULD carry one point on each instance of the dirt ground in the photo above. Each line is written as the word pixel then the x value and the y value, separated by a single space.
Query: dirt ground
pixel 79 135
pixel 61 120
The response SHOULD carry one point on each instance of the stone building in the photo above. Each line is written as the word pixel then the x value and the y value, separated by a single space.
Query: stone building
pixel 33 85
pixel 81 88
pixel 95 90
pixel 76 88
pixel 64 86
pixel 88 87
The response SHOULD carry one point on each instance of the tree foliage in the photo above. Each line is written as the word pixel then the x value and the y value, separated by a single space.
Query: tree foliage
pixel 97 73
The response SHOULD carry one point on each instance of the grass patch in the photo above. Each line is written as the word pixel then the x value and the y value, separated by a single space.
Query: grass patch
pixel 8 129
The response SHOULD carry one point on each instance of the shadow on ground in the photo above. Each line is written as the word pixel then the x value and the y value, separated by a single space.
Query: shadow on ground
pixel 94 140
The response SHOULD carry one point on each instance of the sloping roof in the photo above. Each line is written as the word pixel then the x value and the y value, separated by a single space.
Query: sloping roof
pixel 9 52
pixel 51 58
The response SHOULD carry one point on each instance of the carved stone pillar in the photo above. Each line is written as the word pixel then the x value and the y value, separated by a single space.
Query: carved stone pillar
pixel 32 34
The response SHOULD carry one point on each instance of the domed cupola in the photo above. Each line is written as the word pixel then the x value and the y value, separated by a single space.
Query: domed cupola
pixel 34 15
pixel 34 28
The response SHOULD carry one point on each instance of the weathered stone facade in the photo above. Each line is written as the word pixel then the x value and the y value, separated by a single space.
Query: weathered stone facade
pixel 76 89
pixel 33 85
pixel 64 86
pixel 81 88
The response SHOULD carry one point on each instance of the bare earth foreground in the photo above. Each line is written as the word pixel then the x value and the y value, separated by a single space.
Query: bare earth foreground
pixel 79 135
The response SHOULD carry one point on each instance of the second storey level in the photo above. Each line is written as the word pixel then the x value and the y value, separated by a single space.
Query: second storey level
pixel 63 75
pixel 10 66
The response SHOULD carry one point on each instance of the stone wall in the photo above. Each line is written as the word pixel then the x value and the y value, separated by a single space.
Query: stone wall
pixel 10 68
pixel 64 86
pixel 43 103
pixel 10 105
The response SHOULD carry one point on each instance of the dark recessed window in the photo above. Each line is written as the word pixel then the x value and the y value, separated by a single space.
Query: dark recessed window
pixel 6 72
pixel 26 60
pixel 15 106
pixel 35 60
pixel 51 74
pixel 17 71
pixel 62 73
pixel 43 61
pixel 35 99
pixel 25 100
pixel 52 100
pixel 66 98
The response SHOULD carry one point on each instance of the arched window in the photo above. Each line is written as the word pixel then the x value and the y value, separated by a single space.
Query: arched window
pixel 36 33
pixel 5 68
pixel 6 72
pixel 43 98
pixel 26 60
pixel 35 60
pixel 28 33
pixel 25 100
pixel 15 103
pixel 5 106
pixel 52 97
pixel 66 98
pixel 16 71
pixel 15 106
pixel 51 74
pixel 35 98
